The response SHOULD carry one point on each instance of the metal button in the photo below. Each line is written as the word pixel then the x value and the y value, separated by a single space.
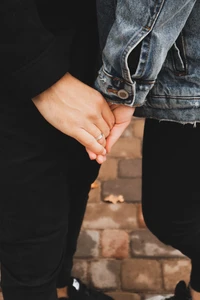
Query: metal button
pixel 123 94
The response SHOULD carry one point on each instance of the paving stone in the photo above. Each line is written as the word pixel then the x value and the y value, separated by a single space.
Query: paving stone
pixel 128 132
pixel 141 275
pixel 130 189
pixel 138 128
pixel 174 271
pixel 124 296
pixel 105 274
pixel 110 216
pixel 115 243
pixel 127 147
pixel 80 268
pixel 108 169
pixel 158 296
pixel 88 244
pixel 95 194
pixel 144 243
pixel 130 168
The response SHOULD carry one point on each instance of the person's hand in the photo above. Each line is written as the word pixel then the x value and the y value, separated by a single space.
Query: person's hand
pixel 78 111
pixel 123 116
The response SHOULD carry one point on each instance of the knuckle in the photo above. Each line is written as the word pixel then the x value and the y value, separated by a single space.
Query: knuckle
pixel 97 117
pixel 102 142
pixel 107 132
pixel 94 115
pixel 89 143
pixel 98 97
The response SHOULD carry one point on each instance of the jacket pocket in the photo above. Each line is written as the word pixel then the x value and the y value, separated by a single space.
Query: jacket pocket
pixel 178 55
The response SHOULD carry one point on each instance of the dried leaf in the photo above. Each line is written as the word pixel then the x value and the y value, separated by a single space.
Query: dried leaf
pixel 95 185
pixel 114 198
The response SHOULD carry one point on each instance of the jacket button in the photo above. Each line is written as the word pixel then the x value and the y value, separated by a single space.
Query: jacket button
pixel 123 94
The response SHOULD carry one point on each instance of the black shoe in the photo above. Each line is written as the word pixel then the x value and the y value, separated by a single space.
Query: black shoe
pixel 79 291
pixel 181 292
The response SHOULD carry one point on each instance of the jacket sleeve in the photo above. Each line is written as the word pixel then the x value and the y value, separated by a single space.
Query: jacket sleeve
pixel 31 58
pixel 135 37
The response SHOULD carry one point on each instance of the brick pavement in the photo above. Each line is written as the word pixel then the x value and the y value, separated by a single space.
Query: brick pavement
pixel 116 252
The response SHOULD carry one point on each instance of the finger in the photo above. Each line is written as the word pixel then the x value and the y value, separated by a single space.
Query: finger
pixel 102 141
pixel 96 133
pixel 102 126
pixel 101 159
pixel 92 155
pixel 115 134
pixel 87 140
pixel 108 116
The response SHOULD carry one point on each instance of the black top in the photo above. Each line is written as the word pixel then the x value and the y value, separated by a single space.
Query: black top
pixel 41 40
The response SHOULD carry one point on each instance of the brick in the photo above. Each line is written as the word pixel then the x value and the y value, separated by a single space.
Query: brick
pixel 130 168
pixel 140 217
pixel 88 244
pixel 141 275
pixel 160 295
pixel 115 243
pixel 128 132
pixel 124 296
pixel 127 147
pixel 144 243
pixel 138 128
pixel 95 194
pixel 80 268
pixel 130 189
pixel 108 169
pixel 175 270
pixel 110 216
pixel 105 274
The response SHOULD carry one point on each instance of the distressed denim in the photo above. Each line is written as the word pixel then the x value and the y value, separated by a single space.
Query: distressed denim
pixel 165 84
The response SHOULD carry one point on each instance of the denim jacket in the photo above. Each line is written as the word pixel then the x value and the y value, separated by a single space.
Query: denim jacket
pixel 165 84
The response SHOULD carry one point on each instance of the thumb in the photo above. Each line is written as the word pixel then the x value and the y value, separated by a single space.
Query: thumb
pixel 115 134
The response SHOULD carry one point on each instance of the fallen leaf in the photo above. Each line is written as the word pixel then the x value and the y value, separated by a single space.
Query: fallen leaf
pixel 114 198
pixel 95 185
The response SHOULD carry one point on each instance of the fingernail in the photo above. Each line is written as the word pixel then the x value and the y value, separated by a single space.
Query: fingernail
pixel 104 152
pixel 107 150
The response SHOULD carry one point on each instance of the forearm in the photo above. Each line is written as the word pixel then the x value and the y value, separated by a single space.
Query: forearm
pixel 148 27
pixel 32 59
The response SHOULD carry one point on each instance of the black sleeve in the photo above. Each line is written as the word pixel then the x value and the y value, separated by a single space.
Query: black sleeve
pixel 31 58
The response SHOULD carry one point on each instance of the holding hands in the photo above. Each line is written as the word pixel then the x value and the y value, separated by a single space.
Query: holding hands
pixel 82 113
pixel 123 116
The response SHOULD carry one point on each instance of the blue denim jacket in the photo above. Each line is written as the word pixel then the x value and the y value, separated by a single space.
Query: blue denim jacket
pixel 166 81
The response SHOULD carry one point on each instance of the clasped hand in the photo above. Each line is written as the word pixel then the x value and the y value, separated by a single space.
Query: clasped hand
pixel 123 116
pixel 82 113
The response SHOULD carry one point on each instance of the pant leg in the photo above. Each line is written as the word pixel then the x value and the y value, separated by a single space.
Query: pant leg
pixel 170 188
pixel 34 201
pixel 83 173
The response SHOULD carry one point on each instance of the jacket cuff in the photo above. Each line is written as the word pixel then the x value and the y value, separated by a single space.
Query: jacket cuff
pixel 42 72
pixel 117 90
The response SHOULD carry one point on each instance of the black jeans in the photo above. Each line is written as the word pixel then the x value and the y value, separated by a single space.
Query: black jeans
pixel 45 177
pixel 170 191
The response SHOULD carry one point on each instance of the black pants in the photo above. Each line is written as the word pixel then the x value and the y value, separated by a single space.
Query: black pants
pixel 171 187
pixel 45 177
